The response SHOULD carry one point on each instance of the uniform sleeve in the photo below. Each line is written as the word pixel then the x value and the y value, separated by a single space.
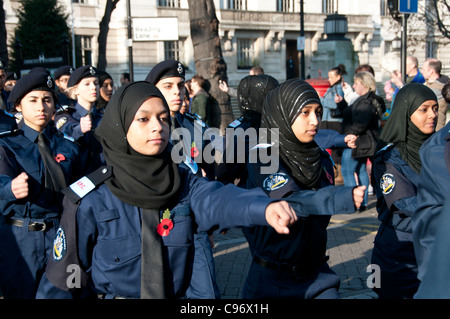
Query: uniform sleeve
pixel 397 190
pixel 328 200
pixel 226 206
pixel 8 171
pixel 66 124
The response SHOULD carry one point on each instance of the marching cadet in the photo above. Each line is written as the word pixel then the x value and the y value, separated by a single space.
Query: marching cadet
pixel 251 92
pixel 396 171
pixel 295 266
pixel 169 77
pixel 62 76
pixel 36 163
pixel 81 120
pixel 128 227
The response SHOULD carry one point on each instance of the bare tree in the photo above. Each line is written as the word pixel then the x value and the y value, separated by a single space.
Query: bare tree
pixel 103 34
pixel 208 58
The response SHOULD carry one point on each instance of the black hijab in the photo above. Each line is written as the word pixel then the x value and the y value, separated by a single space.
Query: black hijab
pixel 251 93
pixel 140 180
pixel 400 130
pixel 281 108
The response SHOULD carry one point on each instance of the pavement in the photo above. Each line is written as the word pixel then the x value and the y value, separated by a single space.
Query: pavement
pixel 350 243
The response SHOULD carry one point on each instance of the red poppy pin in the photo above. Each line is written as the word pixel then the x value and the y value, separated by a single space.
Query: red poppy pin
pixel 194 150
pixel 60 158
pixel 166 224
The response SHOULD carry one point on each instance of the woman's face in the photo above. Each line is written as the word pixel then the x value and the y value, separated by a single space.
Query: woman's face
pixel 106 90
pixel 149 132
pixel 360 89
pixel 306 125
pixel 425 117
pixel 87 91
pixel 37 108
pixel 333 77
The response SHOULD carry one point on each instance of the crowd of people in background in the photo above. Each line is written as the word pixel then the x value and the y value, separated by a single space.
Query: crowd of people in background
pixel 87 178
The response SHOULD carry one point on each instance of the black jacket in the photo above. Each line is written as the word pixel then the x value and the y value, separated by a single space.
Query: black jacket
pixel 361 119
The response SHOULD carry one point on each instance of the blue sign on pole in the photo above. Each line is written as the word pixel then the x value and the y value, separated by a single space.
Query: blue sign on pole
pixel 408 6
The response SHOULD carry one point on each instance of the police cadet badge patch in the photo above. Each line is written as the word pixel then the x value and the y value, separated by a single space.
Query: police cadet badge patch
pixel 387 183
pixel 59 244
pixel 275 181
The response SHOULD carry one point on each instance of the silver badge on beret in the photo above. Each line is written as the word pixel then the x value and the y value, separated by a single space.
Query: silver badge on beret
pixel 49 82
pixel 180 68
pixel 91 69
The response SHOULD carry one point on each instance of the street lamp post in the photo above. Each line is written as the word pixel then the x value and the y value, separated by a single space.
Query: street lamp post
pixel 130 43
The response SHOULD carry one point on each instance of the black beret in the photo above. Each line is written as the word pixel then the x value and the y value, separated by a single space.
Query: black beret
pixel 63 70
pixel 31 82
pixel 11 76
pixel 80 73
pixel 165 69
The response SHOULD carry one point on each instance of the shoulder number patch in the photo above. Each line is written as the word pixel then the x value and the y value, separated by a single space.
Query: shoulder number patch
pixel 275 181
pixel 387 183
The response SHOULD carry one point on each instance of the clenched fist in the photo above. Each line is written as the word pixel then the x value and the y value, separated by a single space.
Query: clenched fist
pixel 19 186
pixel 86 123
pixel 280 215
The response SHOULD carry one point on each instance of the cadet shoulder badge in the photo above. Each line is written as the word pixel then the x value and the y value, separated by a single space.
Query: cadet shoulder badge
pixel 61 122
pixel 59 244
pixel 275 181
pixel 387 183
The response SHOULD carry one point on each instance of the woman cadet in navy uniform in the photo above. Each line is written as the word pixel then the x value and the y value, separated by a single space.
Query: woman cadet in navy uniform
pixel 81 120
pixel 294 266
pixel 132 235
pixel 396 171
pixel 36 163
pixel 169 77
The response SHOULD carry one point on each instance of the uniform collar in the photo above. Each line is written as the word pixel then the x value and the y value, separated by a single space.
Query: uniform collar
pixel 83 112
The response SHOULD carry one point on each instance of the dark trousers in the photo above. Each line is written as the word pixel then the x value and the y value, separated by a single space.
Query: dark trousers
pixel 263 282
pixel 393 252
pixel 23 258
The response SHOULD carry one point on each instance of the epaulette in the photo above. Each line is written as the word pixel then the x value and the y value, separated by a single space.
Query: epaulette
pixel 65 108
pixel 384 149
pixel 9 133
pixel 236 123
pixel 261 146
pixel 191 165
pixel 76 191
pixel 195 117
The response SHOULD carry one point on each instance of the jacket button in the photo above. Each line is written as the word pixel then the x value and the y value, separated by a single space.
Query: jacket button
pixel 117 259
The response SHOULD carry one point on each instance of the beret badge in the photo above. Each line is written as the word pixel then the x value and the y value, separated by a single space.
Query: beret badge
pixel 49 82
pixel 180 68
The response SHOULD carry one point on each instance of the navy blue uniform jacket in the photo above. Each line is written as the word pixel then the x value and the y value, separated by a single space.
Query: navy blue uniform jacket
pixel 19 153
pixel 396 189
pixel 306 242
pixel 109 234
pixel 432 221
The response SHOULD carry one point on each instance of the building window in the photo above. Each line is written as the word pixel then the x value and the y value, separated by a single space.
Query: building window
pixel 246 54
pixel 328 7
pixel 174 50
pixel 79 1
pixel 169 3
pixel 84 50
pixel 432 48
pixel 285 5
pixel 237 4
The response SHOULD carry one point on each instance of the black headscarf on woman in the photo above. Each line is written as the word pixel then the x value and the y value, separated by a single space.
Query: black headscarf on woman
pixel 281 108
pixel 251 93
pixel 140 180
pixel 400 130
